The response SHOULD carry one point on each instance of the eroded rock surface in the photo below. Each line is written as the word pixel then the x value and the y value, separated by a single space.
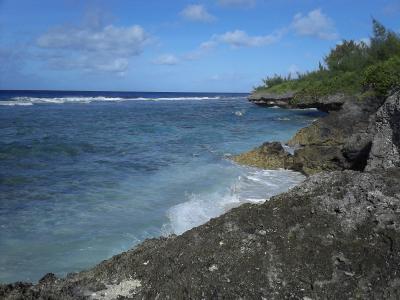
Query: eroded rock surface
pixel 289 100
pixel 267 156
pixel 271 100
pixel 341 140
pixel 385 151
pixel 336 236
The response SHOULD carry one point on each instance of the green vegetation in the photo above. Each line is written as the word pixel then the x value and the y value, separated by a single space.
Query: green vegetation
pixel 351 67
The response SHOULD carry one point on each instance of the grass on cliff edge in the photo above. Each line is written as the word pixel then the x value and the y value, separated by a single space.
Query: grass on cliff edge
pixel 351 68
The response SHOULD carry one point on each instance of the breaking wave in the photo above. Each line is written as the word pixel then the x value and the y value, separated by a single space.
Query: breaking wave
pixel 254 186
pixel 23 101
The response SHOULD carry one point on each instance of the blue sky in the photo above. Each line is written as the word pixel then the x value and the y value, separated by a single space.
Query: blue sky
pixel 167 45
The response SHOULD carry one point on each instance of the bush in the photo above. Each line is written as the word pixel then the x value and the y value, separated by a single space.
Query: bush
pixel 351 67
pixel 348 56
pixel 383 77
pixel 275 80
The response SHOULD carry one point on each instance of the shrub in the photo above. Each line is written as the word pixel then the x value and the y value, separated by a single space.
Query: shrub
pixel 351 67
pixel 383 77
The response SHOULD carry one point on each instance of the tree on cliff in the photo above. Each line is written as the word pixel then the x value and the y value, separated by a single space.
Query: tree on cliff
pixel 351 67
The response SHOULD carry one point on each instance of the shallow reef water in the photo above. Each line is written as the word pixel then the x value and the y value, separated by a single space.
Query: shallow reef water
pixel 84 176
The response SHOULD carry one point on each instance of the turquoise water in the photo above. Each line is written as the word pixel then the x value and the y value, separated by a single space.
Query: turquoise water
pixel 84 176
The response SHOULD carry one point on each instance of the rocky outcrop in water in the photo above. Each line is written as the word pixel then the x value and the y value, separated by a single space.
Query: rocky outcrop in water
pixel 341 140
pixel 270 155
pixel 270 100
pixel 289 100
pixel 335 236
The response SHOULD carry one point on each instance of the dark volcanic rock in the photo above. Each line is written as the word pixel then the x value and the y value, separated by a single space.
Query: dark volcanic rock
pixel 325 103
pixel 385 151
pixel 289 100
pixel 271 100
pixel 341 140
pixel 336 236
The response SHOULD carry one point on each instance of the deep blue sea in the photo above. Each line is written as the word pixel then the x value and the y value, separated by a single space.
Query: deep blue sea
pixel 86 175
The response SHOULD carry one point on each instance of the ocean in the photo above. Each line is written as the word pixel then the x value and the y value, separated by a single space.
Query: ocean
pixel 87 175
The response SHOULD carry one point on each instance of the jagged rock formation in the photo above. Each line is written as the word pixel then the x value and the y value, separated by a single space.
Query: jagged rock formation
pixel 385 152
pixel 341 140
pixel 270 100
pixel 335 236
pixel 289 100
pixel 267 156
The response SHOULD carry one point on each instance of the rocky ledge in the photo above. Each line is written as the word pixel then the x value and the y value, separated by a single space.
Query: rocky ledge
pixel 289 100
pixel 335 236
pixel 341 140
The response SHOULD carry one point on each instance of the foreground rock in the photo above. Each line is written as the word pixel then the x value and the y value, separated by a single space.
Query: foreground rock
pixel 335 236
pixel 289 100
pixel 385 152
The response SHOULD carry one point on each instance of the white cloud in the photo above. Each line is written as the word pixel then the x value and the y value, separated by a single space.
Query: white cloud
pixel 94 48
pixel 240 38
pixel 315 23
pixel 166 59
pixel 89 63
pixel 236 39
pixel 226 77
pixel 197 13
pixel 203 49
pixel 237 2
pixel 116 40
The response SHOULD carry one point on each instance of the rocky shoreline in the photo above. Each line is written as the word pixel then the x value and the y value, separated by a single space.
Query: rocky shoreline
pixel 290 101
pixel 335 236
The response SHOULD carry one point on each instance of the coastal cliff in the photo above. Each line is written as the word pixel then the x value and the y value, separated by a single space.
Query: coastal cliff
pixel 289 100
pixel 334 236
pixel 339 141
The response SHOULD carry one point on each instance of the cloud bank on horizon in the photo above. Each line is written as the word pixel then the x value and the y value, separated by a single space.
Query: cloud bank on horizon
pixel 220 45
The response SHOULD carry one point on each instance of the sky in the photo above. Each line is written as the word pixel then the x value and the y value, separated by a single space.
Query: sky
pixel 174 45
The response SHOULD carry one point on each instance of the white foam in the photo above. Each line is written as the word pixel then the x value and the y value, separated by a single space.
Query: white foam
pixel 253 186
pixel 290 149
pixel 13 103
pixel 84 100
pixel 240 113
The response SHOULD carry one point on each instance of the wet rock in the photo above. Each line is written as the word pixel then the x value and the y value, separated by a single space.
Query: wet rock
pixel 341 140
pixel 268 156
